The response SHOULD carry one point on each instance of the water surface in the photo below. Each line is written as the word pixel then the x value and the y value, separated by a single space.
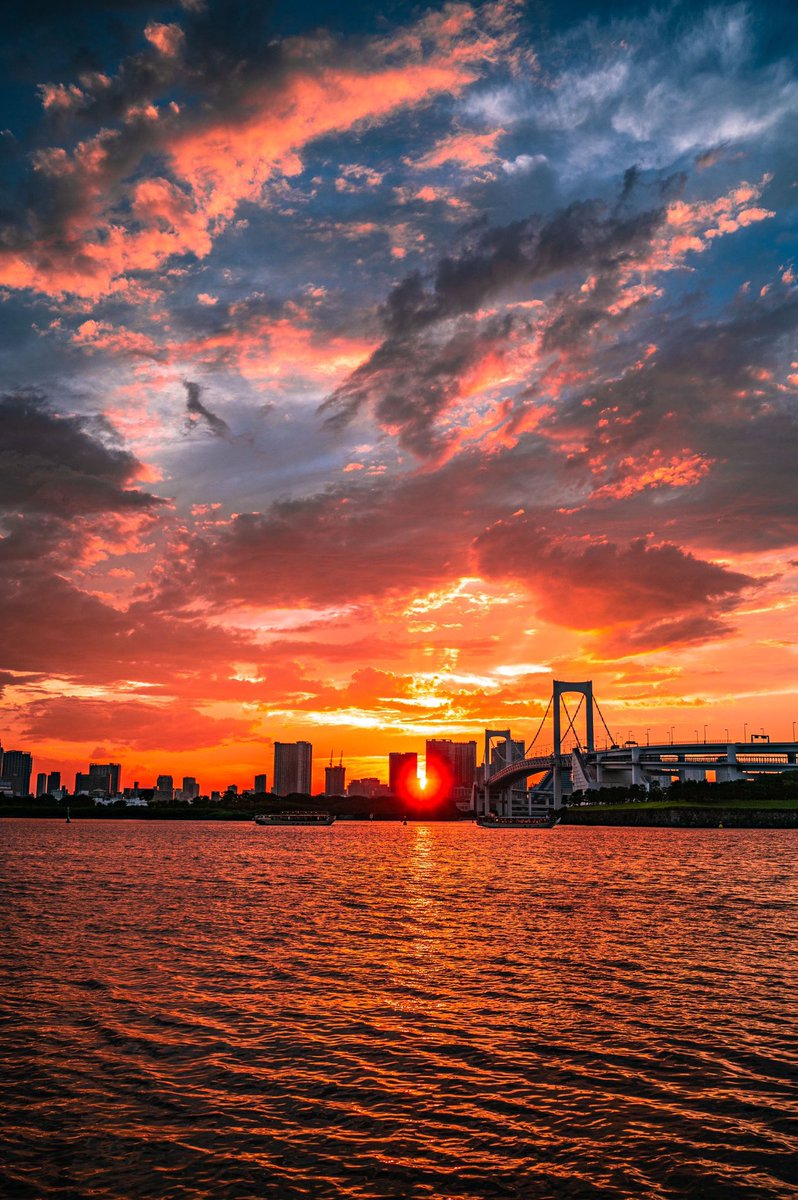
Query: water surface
pixel 376 1010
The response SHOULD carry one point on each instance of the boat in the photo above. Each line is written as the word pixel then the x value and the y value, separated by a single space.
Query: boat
pixel 295 818
pixel 542 822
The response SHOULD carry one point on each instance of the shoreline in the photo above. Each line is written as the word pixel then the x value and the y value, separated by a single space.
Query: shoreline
pixel 666 817
pixel 686 817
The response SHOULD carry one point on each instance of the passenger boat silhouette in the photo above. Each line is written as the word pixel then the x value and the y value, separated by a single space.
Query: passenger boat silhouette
pixel 491 821
pixel 295 818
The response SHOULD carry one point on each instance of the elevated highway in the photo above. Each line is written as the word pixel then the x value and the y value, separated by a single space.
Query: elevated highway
pixel 721 761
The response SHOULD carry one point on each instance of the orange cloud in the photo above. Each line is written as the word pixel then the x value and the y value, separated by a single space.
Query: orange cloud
pixel 227 163
pixel 696 224
pixel 99 335
pixel 219 160
pixel 466 149
pixel 167 39
pixel 59 97
pixel 276 348
pixel 656 471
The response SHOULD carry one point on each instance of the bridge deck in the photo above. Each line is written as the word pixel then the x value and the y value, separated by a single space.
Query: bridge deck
pixel 524 767
pixel 673 757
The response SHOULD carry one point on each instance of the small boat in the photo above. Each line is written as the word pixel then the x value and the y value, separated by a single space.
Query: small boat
pixel 493 822
pixel 295 818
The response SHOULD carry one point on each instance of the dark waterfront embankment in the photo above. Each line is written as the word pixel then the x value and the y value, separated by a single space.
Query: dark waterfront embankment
pixel 765 803
pixel 683 817
pixel 353 808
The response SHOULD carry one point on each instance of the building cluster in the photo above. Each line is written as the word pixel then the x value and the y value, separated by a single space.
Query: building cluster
pixel 450 766
pixel 100 777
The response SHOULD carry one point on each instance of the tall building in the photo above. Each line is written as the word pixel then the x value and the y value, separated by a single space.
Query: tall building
pixel 402 772
pixel 164 789
pixel 54 782
pixel 292 767
pixel 41 784
pixel 454 763
pixel 334 780
pixel 260 783
pixel 107 776
pixel 17 767
pixel 190 788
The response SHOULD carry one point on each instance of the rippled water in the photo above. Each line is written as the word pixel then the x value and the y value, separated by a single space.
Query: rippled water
pixel 197 1010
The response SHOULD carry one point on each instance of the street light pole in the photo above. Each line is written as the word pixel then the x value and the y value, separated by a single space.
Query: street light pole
pixel 745 732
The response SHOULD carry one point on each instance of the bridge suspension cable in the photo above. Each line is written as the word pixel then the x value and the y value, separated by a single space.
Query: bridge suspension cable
pixel 603 722
pixel 571 720
pixel 540 726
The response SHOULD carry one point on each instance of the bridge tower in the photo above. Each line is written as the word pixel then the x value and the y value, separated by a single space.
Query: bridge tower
pixel 509 756
pixel 490 734
pixel 563 688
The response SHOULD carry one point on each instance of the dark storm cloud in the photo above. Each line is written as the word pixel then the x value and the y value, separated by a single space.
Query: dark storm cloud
pixel 66 466
pixel 585 234
pixel 79 36
pixel 356 544
pixel 196 410
pixel 41 203
pixel 45 540
pixel 223 51
pixel 646 637
pixel 574 314
pixel 413 375
pixel 87 35
pixel 717 388
pixel 345 544
pixel 410 381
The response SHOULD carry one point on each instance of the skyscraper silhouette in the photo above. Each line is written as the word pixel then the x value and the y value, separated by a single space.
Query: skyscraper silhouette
pixel 292 767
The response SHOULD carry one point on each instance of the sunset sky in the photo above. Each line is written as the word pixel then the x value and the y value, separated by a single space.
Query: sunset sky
pixel 366 366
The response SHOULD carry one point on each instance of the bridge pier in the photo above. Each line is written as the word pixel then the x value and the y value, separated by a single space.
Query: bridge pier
pixel 729 771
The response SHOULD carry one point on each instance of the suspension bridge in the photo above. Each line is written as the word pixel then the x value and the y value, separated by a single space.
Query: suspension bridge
pixel 502 784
